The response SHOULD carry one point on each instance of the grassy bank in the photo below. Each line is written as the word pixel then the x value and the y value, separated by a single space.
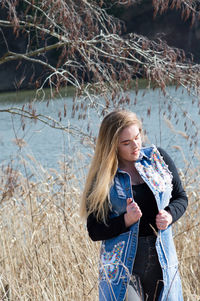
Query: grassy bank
pixel 44 247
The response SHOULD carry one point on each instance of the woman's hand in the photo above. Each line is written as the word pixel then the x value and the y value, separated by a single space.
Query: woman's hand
pixel 133 213
pixel 163 219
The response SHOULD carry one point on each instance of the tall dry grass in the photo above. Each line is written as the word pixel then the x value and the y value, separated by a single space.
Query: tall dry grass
pixel 45 252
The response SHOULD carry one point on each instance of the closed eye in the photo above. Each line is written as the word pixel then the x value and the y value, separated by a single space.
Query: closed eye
pixel 127 142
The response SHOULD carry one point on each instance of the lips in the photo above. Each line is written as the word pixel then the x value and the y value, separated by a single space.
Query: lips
pixel 135 152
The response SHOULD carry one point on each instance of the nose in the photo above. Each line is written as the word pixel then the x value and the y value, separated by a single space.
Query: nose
pixel 134 144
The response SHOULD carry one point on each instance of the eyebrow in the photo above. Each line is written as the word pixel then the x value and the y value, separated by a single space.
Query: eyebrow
pixel 127 140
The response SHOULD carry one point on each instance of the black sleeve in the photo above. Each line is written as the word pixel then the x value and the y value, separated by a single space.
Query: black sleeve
pixel 179 201
pixel 101 231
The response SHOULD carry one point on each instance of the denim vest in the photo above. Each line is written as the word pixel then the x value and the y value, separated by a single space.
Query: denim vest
pixel 117 255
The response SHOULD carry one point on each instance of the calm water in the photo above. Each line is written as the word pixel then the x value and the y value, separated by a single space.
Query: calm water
pixel 49 146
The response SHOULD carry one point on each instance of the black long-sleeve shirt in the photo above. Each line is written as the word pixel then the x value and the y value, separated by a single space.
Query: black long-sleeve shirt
pixel 144 197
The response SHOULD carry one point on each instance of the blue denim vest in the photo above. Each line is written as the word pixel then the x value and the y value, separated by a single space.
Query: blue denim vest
pixel 117 255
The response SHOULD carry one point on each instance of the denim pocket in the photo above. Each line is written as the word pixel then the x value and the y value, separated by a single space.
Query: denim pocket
pixel 118 200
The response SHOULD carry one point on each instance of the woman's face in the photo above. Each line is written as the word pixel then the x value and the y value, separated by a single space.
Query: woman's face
pixel 129 144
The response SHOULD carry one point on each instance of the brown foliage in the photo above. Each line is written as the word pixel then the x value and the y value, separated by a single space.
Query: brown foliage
pixel 91 46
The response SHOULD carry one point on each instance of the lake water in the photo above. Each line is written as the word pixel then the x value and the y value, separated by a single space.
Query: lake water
pixel 49 146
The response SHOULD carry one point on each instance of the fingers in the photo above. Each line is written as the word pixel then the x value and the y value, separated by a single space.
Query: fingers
pixel 163 219
pixel 129 201
pixel 135 208
pixel 133 213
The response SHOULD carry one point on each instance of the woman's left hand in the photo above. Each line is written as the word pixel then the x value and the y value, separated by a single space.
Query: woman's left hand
pixel 163 219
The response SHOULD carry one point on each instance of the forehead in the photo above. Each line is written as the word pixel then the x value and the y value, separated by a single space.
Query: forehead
pixel 129 133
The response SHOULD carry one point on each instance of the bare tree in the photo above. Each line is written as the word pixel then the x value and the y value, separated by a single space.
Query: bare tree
pixel 92 53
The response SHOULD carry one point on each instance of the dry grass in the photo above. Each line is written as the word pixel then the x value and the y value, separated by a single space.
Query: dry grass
pixel 44 247
pixel 188 241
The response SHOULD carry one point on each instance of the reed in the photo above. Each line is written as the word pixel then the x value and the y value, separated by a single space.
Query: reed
pixel 45 250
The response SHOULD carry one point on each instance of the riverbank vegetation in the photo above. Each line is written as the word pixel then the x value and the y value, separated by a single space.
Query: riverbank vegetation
pixel 46 253
pixel 93 51
pixel 98 58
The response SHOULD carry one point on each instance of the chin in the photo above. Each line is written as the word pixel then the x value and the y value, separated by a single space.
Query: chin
pixel 136 157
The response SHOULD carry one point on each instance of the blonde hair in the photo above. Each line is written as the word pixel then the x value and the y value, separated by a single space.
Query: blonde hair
pixel 105 163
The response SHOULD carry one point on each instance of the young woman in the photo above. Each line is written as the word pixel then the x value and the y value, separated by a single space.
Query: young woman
pixel 132 196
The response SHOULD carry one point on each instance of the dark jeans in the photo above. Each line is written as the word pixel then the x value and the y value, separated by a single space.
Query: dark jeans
pixel 146 283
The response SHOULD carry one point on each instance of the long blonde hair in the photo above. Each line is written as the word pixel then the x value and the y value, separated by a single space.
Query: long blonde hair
pixel 105 163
